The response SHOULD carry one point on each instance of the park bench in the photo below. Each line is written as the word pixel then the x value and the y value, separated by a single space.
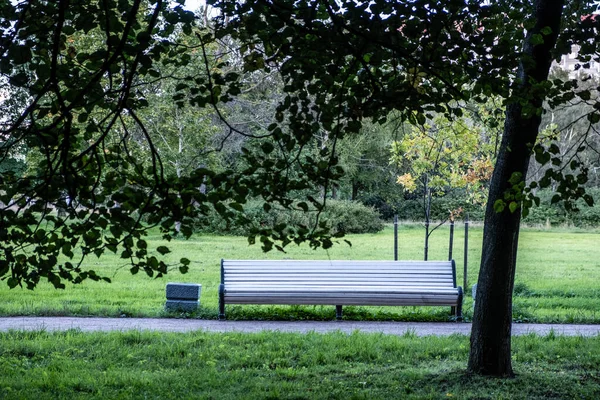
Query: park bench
pixel 339 283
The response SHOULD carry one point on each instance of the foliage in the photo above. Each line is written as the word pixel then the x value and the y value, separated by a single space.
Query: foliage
pixel 555 214
pixel 364 159
pixel 80 70
pixel 79 82
pixel 441 207
pixel 342 216
pixel 442 155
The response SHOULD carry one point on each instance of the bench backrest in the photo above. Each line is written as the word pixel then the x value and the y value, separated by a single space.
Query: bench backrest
pixel 438 274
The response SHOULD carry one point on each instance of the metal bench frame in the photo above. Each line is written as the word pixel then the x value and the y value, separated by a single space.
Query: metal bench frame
pixel 339 283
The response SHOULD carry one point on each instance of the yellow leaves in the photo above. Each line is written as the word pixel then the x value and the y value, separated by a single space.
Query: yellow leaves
pixel 457 212
pixel 408 182
pixel 480 170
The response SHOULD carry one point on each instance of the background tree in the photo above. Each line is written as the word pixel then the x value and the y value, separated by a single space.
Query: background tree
pixel 442 155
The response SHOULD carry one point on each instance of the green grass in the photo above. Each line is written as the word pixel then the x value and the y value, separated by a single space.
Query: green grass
pixel 556 280
pixel 200 365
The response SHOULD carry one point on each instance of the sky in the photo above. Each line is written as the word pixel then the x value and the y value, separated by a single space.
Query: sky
pixel 193 5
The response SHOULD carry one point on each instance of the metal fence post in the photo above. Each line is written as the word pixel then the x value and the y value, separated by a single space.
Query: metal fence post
pixel 451 245
pixel 396 237
pixel 466 255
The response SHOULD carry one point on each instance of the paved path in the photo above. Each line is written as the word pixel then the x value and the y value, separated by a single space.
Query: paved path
pixel 186 325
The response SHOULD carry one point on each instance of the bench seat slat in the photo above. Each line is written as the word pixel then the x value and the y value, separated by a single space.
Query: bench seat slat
pixel 327 268
pixel 338 288
pixel 351 301
pixel 390 282
pixel 333 262
pixel 310 286
pixel 340 274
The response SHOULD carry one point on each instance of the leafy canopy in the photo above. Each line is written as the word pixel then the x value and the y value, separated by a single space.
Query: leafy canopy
pixel 83 74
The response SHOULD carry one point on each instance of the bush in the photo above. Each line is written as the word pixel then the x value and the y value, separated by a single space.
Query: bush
pixel 556 214
pixel 341 216
pixel 385 209
pixel 413 209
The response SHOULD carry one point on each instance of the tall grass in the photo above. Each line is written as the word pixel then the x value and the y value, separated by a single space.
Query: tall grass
pixel 556 281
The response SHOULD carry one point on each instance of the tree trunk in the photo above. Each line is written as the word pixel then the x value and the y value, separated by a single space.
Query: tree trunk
pixel 491 333
pixel 355 188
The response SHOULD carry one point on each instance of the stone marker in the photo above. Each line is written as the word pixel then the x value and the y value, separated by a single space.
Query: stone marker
pixel 183 296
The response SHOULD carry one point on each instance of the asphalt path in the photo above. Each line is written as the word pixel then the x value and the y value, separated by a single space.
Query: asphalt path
pixel 188 325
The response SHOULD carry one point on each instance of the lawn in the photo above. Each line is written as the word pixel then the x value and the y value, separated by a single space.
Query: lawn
pixel 556 281
pixel 200 365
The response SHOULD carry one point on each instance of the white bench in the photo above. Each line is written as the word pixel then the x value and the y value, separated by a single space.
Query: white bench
pixel 366 283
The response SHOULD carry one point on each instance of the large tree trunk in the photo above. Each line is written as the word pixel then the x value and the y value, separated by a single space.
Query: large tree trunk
pixel 491 332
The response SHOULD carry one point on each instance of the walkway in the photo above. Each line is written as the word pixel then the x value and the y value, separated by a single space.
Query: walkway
pixel 186 325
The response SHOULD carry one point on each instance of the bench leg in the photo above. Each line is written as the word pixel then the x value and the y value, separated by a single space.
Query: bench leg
pixel 221 302
pixel 338 312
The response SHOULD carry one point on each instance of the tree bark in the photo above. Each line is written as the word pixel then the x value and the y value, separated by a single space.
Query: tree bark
pixel 491 333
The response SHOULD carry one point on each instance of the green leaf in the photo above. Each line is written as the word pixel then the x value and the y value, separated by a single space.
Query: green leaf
pixel 12 282
pixel 536 39
pixel 267 147
pixel 499 206
pixel 237 207
pixel 513 206
pixel 594 118
pixel 303 206
pixel 163 250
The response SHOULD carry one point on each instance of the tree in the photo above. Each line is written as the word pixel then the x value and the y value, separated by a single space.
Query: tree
pixel 492 321
pixel 442 155
pixel 364 158
pixel 85 73
pixel 343 61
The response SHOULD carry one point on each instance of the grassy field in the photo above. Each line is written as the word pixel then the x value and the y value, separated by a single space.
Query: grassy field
pixel 73 365
pixel 557 278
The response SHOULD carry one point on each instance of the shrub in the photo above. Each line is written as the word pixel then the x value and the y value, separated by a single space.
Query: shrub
pixel 385 209
pixel 342 216
pixel 556 214
pixel 413 209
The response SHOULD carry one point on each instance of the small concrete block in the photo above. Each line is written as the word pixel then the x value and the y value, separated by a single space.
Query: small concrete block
pixel 181 305
pixel 183 291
